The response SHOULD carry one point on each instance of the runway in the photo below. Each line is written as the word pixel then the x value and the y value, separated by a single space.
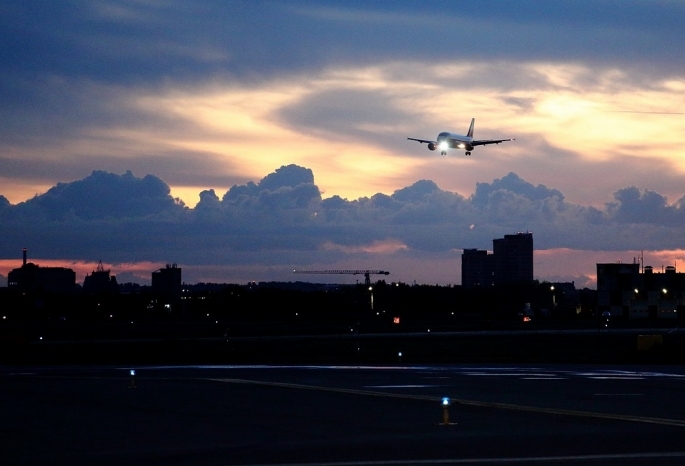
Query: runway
pixel 390 414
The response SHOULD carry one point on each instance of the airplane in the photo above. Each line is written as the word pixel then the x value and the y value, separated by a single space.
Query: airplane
pixel 457 141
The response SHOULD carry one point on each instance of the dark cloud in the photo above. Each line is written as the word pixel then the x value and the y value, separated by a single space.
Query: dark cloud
pixel 288 187
pixel 288 176
pixel 512 184
pixel 647 207
pixel 141 43
pixel 102 195
pixel 283 216
pixel 282 219
pixel 209 201
pixel 416 192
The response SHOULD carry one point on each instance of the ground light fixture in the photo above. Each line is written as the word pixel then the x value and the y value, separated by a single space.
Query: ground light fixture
pixel 445 403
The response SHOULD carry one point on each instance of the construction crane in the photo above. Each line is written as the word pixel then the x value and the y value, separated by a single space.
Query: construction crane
pixel 366 273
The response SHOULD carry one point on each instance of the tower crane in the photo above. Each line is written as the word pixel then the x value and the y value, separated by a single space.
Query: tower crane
pixel 366 273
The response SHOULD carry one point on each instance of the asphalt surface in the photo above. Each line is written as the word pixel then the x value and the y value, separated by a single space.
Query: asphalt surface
pixel 353 415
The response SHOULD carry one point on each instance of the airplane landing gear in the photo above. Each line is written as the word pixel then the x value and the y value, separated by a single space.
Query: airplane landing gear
pixel 443 152
pixel 468 153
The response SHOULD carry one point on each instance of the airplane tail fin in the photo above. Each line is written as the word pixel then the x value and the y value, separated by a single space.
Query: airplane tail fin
pixel 470 133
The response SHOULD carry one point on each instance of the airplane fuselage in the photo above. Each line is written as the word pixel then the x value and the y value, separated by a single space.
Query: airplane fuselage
pixel 448 140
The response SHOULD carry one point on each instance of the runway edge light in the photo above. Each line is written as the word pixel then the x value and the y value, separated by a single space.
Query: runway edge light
pixel 445 403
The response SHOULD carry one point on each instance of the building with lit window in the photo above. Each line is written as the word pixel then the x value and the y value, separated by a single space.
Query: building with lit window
pixel 623 290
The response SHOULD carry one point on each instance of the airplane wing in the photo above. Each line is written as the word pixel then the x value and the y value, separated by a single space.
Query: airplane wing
pixel 484 142
pixel 422 141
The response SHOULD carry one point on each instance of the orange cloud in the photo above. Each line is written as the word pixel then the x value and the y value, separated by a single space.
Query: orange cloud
pixel 389 246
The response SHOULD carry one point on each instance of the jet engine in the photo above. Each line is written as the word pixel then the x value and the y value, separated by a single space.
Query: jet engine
pixel 432 146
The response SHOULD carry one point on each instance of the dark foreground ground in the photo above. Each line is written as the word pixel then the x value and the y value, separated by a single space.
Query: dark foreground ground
pixel 190 343
pixel 343 414
pixel 200 396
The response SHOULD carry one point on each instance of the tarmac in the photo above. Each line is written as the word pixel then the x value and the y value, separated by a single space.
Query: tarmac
pixel 342 414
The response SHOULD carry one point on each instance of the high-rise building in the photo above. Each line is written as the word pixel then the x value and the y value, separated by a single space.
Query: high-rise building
pixel 513 258
pixel 511 262
pixel 477 268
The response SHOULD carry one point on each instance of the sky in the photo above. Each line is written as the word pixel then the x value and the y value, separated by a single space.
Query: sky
pixel 245 139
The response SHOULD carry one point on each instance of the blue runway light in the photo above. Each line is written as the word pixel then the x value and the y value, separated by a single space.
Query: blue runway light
pixel 445 401
pixel 133 372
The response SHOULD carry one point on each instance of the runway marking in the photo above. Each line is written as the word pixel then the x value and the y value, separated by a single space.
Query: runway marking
pixel 401 386
pixel 543 378
pixel 605 377
pixel 533 459
pixel 480 404
pixel 351 391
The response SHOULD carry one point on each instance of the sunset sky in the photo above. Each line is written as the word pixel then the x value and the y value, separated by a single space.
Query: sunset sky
pixel 303 108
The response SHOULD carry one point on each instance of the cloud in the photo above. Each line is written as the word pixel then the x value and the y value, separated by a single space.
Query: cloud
pixel 102 195
pixel 287 177
pixel 283 218
pixel 515 185
pixel 123 41
pixel 633 206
